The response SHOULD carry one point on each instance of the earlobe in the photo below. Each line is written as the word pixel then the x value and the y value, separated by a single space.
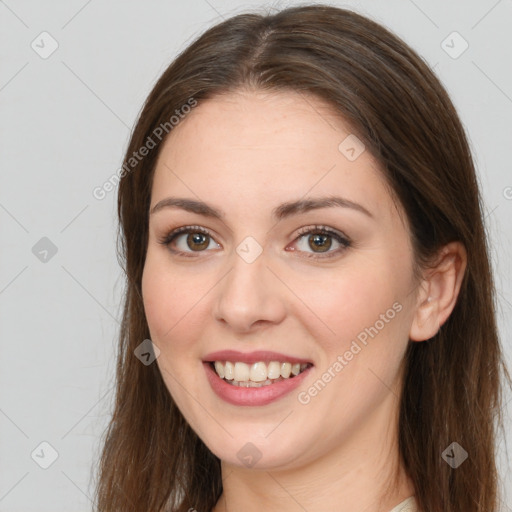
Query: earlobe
pixel 439 292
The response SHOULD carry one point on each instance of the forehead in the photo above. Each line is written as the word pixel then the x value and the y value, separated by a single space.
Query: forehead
pixel 261 145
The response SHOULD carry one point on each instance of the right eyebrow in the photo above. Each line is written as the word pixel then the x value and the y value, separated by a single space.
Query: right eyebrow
pixel 190 205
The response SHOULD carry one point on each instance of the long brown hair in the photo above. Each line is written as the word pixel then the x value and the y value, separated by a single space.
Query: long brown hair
pixel 151 459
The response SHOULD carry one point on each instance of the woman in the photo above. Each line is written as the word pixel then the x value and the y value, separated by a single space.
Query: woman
pixel 302 234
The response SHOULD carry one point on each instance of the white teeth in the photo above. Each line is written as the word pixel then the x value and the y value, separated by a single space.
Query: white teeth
pixel 250 384
pixel 274 370
pixel 241 372
pixel 229 370
pixel 286 369
pixel 258 374
pixel 219 368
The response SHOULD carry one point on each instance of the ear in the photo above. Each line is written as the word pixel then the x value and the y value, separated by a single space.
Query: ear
pixel 439 291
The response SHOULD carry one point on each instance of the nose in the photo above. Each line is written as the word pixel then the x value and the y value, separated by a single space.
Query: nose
pixel 249 295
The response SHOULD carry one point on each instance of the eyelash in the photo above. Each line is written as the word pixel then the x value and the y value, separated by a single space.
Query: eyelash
pixel 310 230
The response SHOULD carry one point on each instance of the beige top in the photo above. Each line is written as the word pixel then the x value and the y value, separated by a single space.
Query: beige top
pixel 409 505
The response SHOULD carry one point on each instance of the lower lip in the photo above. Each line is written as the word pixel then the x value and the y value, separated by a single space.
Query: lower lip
pixel 263 395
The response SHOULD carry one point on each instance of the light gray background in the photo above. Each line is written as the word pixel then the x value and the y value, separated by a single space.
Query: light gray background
pixel 65 123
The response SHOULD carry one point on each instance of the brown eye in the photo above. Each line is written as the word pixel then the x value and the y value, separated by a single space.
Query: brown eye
pixel 321 242
pixel 198 241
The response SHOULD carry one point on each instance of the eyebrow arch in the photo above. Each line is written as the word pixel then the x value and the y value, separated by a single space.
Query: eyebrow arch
pixel 281 212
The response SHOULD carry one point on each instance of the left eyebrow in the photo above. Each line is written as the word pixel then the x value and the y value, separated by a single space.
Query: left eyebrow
pixel 281 212
pixel 304 205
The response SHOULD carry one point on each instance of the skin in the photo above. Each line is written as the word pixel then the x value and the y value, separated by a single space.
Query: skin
pixel 245 153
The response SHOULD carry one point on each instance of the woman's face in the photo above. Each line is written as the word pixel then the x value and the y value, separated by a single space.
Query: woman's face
pixel 330 287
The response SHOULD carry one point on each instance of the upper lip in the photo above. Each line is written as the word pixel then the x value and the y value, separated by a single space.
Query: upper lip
pixel 252 357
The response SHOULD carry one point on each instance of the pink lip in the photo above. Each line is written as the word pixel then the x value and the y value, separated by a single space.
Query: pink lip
pixel 252 357
pixel 252 396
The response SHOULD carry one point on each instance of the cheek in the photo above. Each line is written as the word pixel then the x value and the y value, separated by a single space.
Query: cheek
pixel 361 340
pixel 172 309
pixel 343 303
pixel 169 298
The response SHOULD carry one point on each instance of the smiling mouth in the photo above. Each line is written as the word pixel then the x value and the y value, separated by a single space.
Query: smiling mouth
pixel 257 374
